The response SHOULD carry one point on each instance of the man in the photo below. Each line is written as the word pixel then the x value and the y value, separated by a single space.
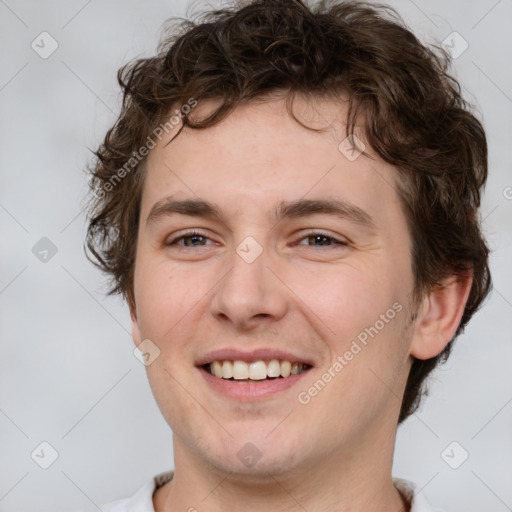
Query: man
pixel 288 202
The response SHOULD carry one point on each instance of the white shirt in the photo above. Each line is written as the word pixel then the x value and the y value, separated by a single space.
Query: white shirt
pixel 142 500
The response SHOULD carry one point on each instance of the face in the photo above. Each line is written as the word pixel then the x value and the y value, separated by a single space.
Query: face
pixel 259 241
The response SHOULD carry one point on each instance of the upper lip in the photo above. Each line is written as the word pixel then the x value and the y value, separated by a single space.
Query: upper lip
pixel 260 354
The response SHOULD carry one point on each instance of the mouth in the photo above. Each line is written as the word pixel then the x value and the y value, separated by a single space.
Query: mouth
pixel 252 377
pixel 255 371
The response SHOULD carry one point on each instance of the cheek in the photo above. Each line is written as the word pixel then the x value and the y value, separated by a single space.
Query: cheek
pixel 165 295
pixel 362 313
pixel 346 298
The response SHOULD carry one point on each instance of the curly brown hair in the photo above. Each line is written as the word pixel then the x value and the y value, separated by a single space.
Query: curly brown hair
pixel 414 112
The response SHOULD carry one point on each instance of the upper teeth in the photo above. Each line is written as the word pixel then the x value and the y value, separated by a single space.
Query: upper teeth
pixel 257 370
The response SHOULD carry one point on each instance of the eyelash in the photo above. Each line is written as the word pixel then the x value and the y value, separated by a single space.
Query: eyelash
pixel 313 233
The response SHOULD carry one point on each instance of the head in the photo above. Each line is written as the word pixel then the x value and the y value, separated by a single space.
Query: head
pixel 256 106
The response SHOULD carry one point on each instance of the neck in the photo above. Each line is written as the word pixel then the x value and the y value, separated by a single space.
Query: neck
pixel 342 482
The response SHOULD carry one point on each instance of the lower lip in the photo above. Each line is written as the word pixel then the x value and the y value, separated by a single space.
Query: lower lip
pixel 247 391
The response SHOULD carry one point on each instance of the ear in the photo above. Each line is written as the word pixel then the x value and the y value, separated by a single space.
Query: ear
pixel 135 325
pixel 439 316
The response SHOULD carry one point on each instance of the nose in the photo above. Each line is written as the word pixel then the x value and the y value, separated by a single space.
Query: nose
pixel 249 295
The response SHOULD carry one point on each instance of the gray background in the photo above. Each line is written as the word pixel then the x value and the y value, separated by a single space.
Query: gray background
pixel 67 372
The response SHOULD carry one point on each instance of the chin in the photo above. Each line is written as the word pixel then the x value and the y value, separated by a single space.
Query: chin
pixel 255 456
pixel 267 468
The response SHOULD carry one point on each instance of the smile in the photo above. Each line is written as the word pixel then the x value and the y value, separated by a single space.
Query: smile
pixel 256 375
pixel 256 370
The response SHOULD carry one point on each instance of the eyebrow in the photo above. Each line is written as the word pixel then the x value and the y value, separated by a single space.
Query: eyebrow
pixel 196 207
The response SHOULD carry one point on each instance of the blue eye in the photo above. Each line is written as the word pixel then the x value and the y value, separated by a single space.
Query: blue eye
pixel 316 238
pixel 190 239
pixel 324 239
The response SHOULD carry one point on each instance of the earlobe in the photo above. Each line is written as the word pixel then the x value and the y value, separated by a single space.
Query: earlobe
pixel 439 316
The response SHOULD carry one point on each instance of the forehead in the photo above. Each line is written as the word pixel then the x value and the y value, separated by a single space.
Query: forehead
pixel 260 155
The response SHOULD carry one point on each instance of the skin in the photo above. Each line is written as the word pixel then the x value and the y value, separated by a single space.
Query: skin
pixel 307 295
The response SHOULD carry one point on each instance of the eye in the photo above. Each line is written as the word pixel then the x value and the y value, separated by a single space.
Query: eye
pixel 194 238
pixel 189 239
pixel 322 239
